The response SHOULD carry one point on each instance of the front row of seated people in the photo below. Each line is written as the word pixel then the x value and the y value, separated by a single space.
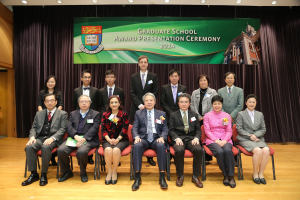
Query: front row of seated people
pixel 150 131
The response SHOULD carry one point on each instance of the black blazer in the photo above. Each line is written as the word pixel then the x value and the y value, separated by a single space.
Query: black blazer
pixel 137 92
pixel 176 129
pixel 58 97
pixel 103 97
pixel 94 95
pixel 167 100
pixel 90 130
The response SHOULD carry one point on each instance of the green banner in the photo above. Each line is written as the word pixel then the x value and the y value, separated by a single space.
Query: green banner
pixel 166 40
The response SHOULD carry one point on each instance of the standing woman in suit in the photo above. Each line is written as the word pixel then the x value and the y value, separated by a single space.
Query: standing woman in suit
pixel 50 87
pixel 218 131
pixel 250 125
pixel 201 102
pixel 114 129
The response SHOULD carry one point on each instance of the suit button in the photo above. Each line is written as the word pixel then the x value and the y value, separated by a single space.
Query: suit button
pixel 48 123
pixel 45 132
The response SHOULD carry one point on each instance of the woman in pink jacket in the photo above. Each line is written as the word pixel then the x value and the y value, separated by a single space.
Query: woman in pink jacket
pixel 218 131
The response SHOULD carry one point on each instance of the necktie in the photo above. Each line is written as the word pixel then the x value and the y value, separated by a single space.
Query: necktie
pixel 49 116
pixel 229 89
pixel 110 92
pixel 143 80
pixel 186 126
pixel 86 88
pixel 150 128
pixel 174 93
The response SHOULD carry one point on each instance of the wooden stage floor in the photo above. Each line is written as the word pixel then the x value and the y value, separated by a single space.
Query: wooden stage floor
pixel 286 186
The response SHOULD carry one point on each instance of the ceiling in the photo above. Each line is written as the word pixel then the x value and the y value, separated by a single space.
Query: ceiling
pixel 10 3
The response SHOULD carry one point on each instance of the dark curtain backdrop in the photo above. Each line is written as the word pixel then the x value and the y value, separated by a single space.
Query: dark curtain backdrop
pixel 43 45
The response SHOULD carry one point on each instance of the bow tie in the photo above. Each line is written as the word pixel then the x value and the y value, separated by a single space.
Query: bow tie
pixel 87 88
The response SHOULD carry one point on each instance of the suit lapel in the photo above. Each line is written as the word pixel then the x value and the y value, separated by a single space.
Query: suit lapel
pixel 233 91
pixel 170 92
pixel 256 121
pixel 156 116
pixel 225 93
pixel 147 80
pixel 138 80
pixel 115 91
pixel 92 92
pixel 88 115
pixel 81 91
pixel 77 115
pixel 145 117
pixel 189 117
pixel 55 116
pixel 248 117
pixel 180 117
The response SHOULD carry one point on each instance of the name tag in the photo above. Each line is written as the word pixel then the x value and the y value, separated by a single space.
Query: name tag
pixel 225 123
pixel 149 82
pixel 193 119
pixel 158 121
pixel 179 93
pixel 207 95
pixel 111 116
pixel 90 121
pixel 118 95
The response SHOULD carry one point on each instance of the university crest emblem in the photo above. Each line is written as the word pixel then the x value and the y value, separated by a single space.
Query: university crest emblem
pixel 91 37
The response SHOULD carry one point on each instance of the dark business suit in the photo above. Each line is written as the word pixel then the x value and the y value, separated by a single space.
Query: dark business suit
pixel 177 131
pixel 94 95
pixel 103 100
pixel 140 130
pixel 57 130
pixel 89 132
pixel 167 99
pixel 137 92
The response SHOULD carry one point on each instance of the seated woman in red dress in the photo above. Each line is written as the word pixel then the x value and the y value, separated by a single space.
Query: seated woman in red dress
pixel 114 129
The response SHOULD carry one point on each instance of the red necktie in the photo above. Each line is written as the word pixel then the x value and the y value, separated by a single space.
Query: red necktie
pixel 49 116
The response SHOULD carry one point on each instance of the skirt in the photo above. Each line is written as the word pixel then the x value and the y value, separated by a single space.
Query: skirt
pixel 249 145
pixel 121 145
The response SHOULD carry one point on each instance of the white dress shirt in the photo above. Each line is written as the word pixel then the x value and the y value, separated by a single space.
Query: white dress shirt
pixel 251 114
pixel 141 75
pixel 112 91
pixel 176 87
pixel 86 92
pixel 152 120
pixel 230 89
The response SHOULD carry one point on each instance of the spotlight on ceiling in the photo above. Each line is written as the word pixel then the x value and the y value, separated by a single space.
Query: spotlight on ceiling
pixel 238 1
pixel 95 1
pixel 25 2
pixel 130 1
pixel 167 1
pixel 59 1
pixel 202 1
pixel 274 2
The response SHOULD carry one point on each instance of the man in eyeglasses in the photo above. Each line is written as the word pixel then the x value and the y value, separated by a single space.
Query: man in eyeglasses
pixel 48 129
pixel 92 92
pixel 82 130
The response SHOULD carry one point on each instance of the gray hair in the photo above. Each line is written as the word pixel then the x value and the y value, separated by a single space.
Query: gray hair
pixel 149 94
pixel 85 96
pixel 185 95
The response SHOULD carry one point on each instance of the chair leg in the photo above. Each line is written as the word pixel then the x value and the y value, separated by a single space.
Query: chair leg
pixel 57 172
pixel 104 164
pixel 99 160
pixel 71 162
pixel 274 177
pixel 203 166
pixel 38 161
pixel 131 170
pixel 25 174
pixel 241 167
pixel 168 165
pixel 238 164
pixel 96 160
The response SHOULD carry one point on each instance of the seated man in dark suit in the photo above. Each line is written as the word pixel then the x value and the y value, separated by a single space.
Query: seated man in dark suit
pixel 47 132
pixel 150 131
pixel 83 126
pixel 185 134
pixel 109 90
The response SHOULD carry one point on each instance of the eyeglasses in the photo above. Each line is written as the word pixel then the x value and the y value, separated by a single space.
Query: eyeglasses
pixel 84 101
pixel 86 77
pixel 50 101
pixel 143 62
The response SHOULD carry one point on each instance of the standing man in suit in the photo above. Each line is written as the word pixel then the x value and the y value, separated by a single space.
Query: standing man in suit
pixel 141 83
pixel 91 92
pixel 83 126
pixel 233 96
pixel 150 131
pixel 170 92
pixel 185 133
pixel 47 132
pixel 233 99
pixel 109 90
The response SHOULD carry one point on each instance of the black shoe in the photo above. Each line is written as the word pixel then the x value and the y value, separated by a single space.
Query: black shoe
pixel 113 182
pixel 136 184
pixel 119 164
pixel 44 180
pixel 103 163
pixel 107 182
pixel 207 162
pixel 151 161
pixel 65 176
pixel 232 183
pixel 263 181
pixel 163 184
pixel 256 180
pixel 32 178
pixel 235 164
pixel 84 178
pixel 91 161
pixel 226 181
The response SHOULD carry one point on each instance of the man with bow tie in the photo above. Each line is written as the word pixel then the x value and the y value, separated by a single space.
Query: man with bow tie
pixel 92 92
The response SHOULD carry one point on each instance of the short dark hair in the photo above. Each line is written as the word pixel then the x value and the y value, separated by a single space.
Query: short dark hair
pixel 174 71
pixel 216 98
pixel 121 104
pixel 251 96
pixel 228 73
pixel 48 95
pixel 109 72
pixel 56 90
pixel 141 57
pixel 203 75
pixel 185 95
pixel 85 71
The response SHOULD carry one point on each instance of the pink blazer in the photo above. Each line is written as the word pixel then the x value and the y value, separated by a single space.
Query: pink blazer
pixel 214 128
